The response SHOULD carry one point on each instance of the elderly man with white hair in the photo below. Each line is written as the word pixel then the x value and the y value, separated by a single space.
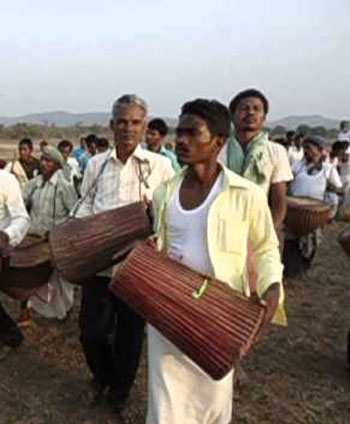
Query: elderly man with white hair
pixel 111 333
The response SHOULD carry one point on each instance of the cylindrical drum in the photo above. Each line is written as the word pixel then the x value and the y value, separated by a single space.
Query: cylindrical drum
pixel 344 240
pixel 305 214
pixel 82 247
pixel 27 267
pixel 209 321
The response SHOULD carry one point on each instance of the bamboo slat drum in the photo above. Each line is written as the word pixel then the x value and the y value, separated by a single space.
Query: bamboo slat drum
pixel 344 240
pixel 211 323
pixel 26 268
pixel 305 214
pixel 82 247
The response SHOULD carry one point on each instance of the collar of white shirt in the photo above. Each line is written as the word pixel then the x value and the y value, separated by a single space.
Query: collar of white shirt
pixel 53 180
pixel 138 153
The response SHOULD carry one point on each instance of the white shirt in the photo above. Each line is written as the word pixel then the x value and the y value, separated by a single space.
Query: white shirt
pixel 108 183
pixel 313 185
pixel 294 154
pixel 277 170
pixel 179 391
pixel 187 234
pixel 344 172
pixel 14 219
pixel 344 136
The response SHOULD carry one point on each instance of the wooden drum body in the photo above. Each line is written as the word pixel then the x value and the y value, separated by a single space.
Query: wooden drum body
pixel 27 267
pixel 82 247
pixel 305 214
pixel 210 322
pixel 344 240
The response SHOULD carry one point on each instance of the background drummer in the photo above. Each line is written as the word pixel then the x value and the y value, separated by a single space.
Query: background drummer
pixel 116 178
pixel 49 198
pixel 200 224
pixel 313 177
pixel 14 224
pixel 251 154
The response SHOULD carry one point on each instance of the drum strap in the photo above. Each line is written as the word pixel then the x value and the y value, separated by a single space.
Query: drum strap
pixel 143 173
pixel 92 187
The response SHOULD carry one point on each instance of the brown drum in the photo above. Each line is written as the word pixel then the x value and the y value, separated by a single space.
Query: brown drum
pixel 344 240
pixel 305 214
pixel 27 267
pixel 210 322
pixel 82 247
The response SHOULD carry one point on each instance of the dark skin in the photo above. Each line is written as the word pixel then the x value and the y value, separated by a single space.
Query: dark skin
pixel 128 126
pixel 66 152
pixel 314 155
pixel 154 140
pixel 249 119
pixel 48 167
pixel 25 152
pixel 198 149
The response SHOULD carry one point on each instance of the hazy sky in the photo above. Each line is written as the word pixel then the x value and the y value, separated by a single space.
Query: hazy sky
pixel 78 55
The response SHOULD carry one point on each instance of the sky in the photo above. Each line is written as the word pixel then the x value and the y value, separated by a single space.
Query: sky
pixel 79 55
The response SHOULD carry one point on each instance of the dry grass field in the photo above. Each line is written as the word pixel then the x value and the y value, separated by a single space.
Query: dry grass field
pixel 8 148
pixel 296 376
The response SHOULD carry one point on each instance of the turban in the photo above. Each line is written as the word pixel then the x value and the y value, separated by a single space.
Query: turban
pixel 54 154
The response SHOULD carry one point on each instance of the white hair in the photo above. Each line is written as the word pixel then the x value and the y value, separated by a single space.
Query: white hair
pixel 129 99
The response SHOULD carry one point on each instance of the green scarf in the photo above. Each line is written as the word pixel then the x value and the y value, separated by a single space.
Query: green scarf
pixel 251 163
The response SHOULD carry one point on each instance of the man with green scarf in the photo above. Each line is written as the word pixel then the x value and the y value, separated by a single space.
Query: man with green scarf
pixel 250 154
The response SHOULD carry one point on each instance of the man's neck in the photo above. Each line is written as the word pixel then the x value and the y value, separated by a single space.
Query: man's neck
pixel 245 137
pixel 203 174
pixel 124 154
pixel 26 161
pixel 47 177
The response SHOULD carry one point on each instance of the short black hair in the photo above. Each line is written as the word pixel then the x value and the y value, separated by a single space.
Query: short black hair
pixel 26 142
pixel 290 133
pixel 64 143
pixel 250 92
pixel 102 142
pixel 340 145
pixel 214 113
pixel 158 124
pixel 91 138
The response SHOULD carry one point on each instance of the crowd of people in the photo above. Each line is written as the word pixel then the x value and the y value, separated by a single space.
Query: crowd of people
pixel 219 202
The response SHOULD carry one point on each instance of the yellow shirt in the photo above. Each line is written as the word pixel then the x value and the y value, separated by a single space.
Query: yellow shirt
pixel 238 215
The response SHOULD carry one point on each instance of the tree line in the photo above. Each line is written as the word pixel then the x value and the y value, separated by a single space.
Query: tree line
pixel 22 129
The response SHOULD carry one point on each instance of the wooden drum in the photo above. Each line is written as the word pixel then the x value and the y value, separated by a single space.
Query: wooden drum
pixel 305 214
pixel 27 267
pixel 210 322
pixel 82 247
pixel 344 240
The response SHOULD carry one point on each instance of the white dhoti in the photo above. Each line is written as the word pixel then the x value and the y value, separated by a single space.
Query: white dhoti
pixel 179 391
pixel 54 299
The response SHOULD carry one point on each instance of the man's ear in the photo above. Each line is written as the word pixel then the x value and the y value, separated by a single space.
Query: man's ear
pixel 219 142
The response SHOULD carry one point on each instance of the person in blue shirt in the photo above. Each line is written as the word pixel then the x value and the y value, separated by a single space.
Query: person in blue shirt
pixel 157 130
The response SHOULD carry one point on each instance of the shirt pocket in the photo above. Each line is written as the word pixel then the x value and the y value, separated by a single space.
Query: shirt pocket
pixel 232 233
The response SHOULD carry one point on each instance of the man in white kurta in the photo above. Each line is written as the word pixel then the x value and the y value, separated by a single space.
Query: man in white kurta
pixel 121 176
pixel 14 224
pixel 204 217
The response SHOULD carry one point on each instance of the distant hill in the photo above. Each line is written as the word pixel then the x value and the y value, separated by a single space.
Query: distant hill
pixel 66 119
pixel 292 122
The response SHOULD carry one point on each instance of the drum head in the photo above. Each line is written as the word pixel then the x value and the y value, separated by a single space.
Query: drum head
pixel 34 250
pixel 308 203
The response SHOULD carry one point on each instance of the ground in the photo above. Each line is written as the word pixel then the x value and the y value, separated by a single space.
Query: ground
pixel 296 375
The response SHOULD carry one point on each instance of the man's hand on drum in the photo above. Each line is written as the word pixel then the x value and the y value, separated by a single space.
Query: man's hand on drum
pixel 270 300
